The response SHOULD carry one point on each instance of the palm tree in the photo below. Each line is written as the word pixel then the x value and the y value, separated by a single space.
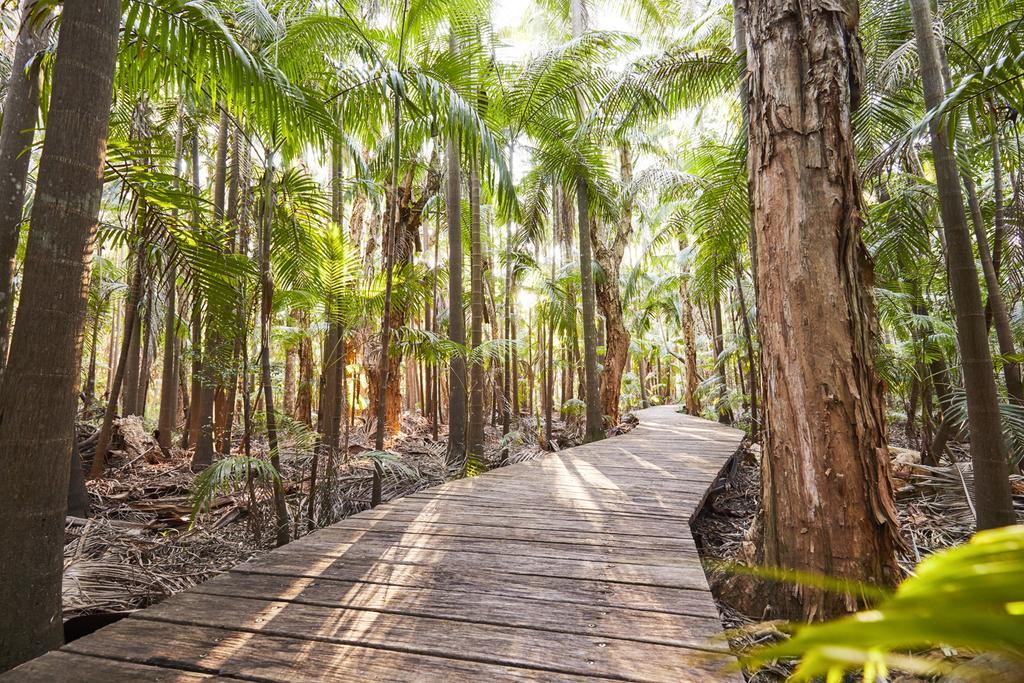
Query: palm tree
pixel 21 110
pixel 457 379
pixel 38 408
pixel 988 451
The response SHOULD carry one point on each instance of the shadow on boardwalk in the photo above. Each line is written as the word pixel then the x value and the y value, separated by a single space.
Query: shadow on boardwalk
pixel 576 566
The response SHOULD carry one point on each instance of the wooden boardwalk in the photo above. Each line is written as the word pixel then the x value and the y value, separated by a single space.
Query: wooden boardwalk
pixel 576 566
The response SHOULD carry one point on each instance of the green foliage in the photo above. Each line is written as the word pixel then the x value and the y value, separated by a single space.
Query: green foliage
pixel 968 597
pixel 225 476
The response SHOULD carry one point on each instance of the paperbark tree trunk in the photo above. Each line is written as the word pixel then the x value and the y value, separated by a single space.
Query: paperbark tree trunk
pixel 828 504
pixel 988 451
pixel 609 298
pixel 39 393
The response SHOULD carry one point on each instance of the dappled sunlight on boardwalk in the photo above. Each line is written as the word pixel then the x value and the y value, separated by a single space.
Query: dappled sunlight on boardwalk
pixel 576 566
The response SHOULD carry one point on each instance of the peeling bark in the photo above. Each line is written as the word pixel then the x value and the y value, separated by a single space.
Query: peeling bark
pixel 828 504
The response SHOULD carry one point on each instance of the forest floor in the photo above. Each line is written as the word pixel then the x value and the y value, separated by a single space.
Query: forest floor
pixel 144 539
pixel 934 508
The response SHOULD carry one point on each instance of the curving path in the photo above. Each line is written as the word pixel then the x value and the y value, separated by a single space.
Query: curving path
pixel 576 566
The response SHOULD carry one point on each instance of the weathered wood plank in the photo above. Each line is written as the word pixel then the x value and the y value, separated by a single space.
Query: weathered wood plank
pixel 583 655
pixel 549 534
pixel 478 607
pixel 445 577
pixel 67 666
pixel 355 543
pixel 275 659
pixel 360 558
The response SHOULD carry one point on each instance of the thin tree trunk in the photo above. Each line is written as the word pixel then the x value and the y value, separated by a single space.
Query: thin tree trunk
pixel 39 392
pixel 456 315
pixel 724 411
pixel 215 313
pixel 594 430
pixel 748 337
pixel 992 500
pixel 690 344
pixel 21 110
pixel 475 445
pixel 169 375
pixel 99 461
pixel 132 332
pixel 827 499
pixel 196 348
pixel 996 304
pixel 238 238
pixel 385 328
pixel 90 378
pixel 291 362
pixel 549 388
pixel 266 311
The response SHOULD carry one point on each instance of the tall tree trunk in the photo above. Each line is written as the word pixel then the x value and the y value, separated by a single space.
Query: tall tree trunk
pixel 99 460
pixel 690 343
pixel 723 409
pixel 456 315
pixel 291 363
pixel 475 445
pixel 434 397
pixel 594 430
pixel 148 344
pixel 132 333
pixel 169 374
pixel 21 109
pixel 608 295
pixel 196 324
pixel 549 377
pixel 828 506
pixel 213 350
pixel 381 399
pixel 39 392
pixel 90 378
pixel 237 218
pixel 748 337
pixel 266 312
pixel 996 304
pixel 988 451
pixel 304 395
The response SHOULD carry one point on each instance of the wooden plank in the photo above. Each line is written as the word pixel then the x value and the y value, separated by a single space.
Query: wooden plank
pixel 580 508
pixel 582 655
pixel 359 558
pixel 659 508
pixel 274 659
pixel 69 667
pixel 520 532
pixel 341 542
pixel 497 582
pixel 458 511
pixel 500 610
